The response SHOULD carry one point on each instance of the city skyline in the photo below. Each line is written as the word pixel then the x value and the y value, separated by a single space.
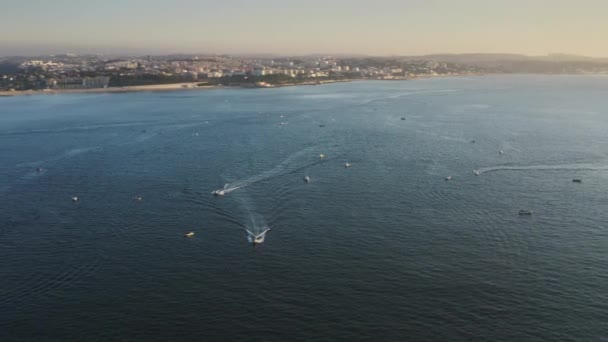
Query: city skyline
pixel 383 27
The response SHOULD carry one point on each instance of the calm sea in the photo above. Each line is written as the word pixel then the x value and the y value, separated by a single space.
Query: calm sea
pixel 386 250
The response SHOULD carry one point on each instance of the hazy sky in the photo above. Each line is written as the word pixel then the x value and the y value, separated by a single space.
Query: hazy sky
pixel 375 27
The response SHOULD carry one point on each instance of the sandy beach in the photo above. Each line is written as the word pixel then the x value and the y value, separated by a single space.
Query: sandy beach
pixel 155 87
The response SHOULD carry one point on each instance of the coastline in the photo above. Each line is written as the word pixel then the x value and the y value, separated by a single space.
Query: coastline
pixel 141 88
pixel 195 86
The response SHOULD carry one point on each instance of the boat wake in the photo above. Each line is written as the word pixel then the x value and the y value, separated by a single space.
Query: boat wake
pixel 288 166
pixel 560 167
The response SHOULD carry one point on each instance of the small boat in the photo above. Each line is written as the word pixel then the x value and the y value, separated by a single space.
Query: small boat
pixel 476 172
pixel 577 180
pixel 321 156
pixel 472 141
pixel 448 178
pixel 321 125
pixel 501 152
pixel 525 212
pixel 220 192
pixel 138 198
pixel 347 164
pixel 402 119
pixel 75 199
pixel 307 179
pixel 256 239
pixel 189 235
pixel 38 169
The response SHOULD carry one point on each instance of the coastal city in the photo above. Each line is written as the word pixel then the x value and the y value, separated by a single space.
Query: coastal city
pixel 70 71
pixel 74 72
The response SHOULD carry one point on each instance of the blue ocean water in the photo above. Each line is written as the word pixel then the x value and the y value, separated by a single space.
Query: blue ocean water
pixel 383 250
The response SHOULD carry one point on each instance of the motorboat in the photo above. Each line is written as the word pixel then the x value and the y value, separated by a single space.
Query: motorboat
pixel 38 169
pixel 577 180
pixel 138 198
pixel 307 179
pixel 189 235
pixel 476 172
pixel 501 152
pixel 448 178
pixel 219 192
pixel 523 212
pixel 75 199
pixel 347 164
pixel 402 119
pixel 256 239
pixel 321 156
pixel 321 125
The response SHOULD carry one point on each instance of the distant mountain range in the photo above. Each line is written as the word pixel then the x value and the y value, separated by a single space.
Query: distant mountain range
pixel 473 58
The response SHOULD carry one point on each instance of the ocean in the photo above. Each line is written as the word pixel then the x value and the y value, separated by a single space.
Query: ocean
pixel 384 250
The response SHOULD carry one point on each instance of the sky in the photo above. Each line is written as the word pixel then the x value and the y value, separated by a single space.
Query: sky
pixel 369 27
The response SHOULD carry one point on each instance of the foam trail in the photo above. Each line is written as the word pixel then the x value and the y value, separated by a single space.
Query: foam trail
pixel 285 167
pixel 560 167
pixel 255 222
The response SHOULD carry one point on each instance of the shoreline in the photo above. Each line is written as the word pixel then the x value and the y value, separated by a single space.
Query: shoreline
pixel 194 86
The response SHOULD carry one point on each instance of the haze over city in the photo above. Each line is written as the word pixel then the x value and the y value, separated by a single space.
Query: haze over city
pixel 383 27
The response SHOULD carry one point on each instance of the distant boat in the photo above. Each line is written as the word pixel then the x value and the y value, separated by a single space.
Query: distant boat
pixel 256 239
pixel 321 125
pixel 189 235
pixel 402 119
pixel 75 199
pixel 347 164
pixel 448 178
pixel 219 192
pixel 577 180
pixel 501 152
pixel 476 172
pixel 321 156
pixel 38 169
pixel 472 141
pixel 138 198
pixel 306 179
pixel 525 212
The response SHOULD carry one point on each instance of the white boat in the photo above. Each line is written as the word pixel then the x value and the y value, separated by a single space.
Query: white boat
pixel 189 235
pixel 219 192
pixel 306 179
pixel 75 199
pixel 347 164
pixel 321 156
pixel 448 178
pixel 256 239
pixel 476 172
